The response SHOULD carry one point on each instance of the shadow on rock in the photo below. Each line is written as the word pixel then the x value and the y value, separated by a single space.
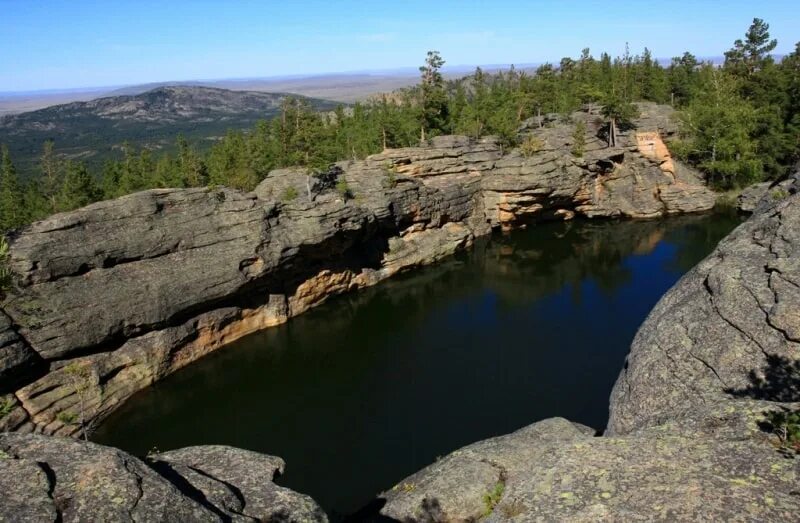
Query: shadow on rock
pixel 779 381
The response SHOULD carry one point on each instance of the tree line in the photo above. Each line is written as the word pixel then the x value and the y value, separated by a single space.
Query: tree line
pixel 740 123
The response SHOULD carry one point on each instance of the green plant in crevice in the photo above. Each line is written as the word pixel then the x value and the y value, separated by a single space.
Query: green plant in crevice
pixel 579 139
pixel 79 376
pixel 779 194
pixel 6 276
pixel 530 146
pixel 493 497
pixel 6 405
pixel 786 425
pixel 67 417
pixel 344 190
pixel 289 194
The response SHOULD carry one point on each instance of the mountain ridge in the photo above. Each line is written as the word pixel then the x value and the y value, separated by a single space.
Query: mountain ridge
pixel 91 130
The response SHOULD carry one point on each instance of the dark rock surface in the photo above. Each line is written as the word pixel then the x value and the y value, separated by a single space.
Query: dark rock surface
pixel 45 478
pixel 18 362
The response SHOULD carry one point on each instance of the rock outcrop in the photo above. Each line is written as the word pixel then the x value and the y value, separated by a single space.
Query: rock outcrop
pixel 760 197
pixel 119 294
pixel 690 434
pixel 61 479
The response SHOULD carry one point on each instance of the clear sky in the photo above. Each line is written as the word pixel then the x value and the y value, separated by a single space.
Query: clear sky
pixel 82 43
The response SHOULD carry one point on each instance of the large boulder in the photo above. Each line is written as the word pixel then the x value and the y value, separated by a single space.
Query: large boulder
pixel 730 328
pixel 45 478
pixel 554 470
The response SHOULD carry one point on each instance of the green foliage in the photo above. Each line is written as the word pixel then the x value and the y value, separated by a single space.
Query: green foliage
pixel 6 406
pixel 718 126
pixel 786 425
pixel 344 190
pixel 751 54
pixel 6 276
pixel 493 497
pixel 579 139
pixel 289 194
pixel 739 124
pixel 67 417
pixel 530 146
pixel 12 214
pixel 434 100
pixel 779 194
pixel 390 182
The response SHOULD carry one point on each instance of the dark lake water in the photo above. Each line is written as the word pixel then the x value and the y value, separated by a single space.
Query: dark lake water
pixel 374 385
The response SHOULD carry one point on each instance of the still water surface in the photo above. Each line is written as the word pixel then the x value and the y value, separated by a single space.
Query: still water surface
pixel 374 385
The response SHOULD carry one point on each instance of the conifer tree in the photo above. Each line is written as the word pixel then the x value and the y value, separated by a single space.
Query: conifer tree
pixel 434 97
pixel 79 188
pixel 11 211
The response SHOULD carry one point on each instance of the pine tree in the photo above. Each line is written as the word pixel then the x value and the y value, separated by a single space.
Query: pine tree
pixel 749 56
pixel 434 97
pixel 718 124
pixel 619 112
pixel 78 189
pixel 52 174
pixel 12 213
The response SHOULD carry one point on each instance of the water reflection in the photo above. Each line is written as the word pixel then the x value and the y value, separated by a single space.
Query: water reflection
pixel 371 386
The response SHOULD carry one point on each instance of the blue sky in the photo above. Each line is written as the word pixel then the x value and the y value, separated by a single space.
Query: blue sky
pixel 68 44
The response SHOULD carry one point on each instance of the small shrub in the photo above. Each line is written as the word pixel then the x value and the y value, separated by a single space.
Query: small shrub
pixel 6 404
pixel 493 497
pixel 67 418
pixel 5 270
pixel 579 139
pixel 390 182
pixel 289 194
pixel 343 189
pixel 530 146
pixel 779 194
pixel 786 425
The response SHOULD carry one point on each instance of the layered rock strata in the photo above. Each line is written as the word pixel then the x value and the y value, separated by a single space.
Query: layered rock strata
pixel 115 296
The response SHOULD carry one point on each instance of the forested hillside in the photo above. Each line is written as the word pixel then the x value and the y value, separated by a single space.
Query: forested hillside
pixel 740 124
pixel 95 131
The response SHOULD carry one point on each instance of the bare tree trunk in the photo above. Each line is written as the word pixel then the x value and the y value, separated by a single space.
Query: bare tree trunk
pixel 383 131
pixel 539 116
pixel 308 187
pixel 612 133
pixel 422 134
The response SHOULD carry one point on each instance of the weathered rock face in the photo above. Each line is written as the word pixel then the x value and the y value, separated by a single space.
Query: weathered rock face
pixel 728 329
pixel 554 470
pixel 760 197
pixel 688 436
pixel 119 294
pixel 57 479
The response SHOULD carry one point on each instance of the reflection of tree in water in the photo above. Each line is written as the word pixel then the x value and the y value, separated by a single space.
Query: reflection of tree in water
pixel 697 239
pixel 526 265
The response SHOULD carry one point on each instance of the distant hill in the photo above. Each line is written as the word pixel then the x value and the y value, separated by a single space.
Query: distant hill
pixel 92 130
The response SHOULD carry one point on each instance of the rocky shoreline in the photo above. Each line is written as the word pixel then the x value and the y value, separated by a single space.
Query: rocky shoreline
pixel 120 294
pixel 690 436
